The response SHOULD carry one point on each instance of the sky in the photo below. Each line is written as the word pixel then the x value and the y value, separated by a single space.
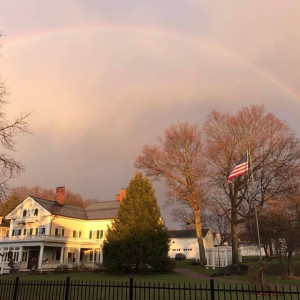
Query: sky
pixel 104 78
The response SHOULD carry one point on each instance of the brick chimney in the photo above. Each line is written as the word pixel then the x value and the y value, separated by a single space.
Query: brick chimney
pixel 60 195
pixel 122 195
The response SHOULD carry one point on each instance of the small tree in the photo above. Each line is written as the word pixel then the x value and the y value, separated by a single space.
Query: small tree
pixel 283 217
pixel 138 239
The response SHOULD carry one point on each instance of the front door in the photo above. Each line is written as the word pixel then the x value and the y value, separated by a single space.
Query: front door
pixel 33 256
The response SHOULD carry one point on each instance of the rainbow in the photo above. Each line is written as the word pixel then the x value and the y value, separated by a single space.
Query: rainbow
pixel 264 74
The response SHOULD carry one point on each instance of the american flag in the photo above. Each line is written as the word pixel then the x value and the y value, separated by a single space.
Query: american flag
pixel 240 168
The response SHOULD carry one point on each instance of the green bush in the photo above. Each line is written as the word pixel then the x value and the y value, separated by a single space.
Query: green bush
pixel 61 269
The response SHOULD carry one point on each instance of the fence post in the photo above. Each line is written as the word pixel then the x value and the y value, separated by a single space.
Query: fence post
pixel 131 288
pixel 67 288
pixel 212 289
pixel 16 288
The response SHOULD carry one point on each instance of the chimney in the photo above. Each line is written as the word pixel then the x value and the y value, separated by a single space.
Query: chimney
pixel 122 195
pixel 60 195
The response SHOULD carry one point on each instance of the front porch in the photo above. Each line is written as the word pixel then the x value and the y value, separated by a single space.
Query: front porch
pixel 48 256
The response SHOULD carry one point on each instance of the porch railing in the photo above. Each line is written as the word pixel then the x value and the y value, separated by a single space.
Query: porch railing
pixel 42 237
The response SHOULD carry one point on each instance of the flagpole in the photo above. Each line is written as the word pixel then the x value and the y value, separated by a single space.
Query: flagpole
pixel 258 236
pixel 255 211
pixel 261 264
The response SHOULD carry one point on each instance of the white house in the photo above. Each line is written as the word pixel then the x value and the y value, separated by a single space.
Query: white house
pixel 185 241
pixel 54 233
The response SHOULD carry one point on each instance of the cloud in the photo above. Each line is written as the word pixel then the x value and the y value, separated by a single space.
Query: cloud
pixel 103 79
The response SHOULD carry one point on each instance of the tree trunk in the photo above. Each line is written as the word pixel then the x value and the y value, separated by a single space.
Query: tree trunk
pixel 266 251
pixel 200 237
pixel 271 249
pixel 290 266
pixel 234 237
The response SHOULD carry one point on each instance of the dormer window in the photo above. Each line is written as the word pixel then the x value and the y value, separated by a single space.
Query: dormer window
pixel 36 212
pixel 24 213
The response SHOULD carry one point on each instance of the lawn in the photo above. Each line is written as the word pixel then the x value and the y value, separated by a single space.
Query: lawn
pixel 274 270
pixel 90 276
pixel 88 286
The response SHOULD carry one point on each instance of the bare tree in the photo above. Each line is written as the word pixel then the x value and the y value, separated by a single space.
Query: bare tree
pixel 9 166
pixel 274 152
pixel 283 218
pixel 185 215
pixel 177 159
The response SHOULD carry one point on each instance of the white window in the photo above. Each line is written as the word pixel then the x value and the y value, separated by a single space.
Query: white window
pixel 24 256
pixel 16 232
pixel 96 234
pixel 76 233
pixel 40 231
pixel 59 231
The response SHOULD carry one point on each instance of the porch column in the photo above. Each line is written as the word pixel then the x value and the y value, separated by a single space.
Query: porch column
pixel 78 256
pixel 101 256
pixel 62 252
pixel 93 258
pixel 65 260
pixel 2 261
pixel 41 256
pixel 20 254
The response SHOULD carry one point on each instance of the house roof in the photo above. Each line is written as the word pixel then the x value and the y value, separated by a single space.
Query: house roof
pixel 186 233
pixel 95 211
pixel 103 210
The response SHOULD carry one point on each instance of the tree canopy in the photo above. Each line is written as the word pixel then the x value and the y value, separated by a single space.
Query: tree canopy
pixel 178 160
pixel 195 165
pixel 137 239
pixel 274 159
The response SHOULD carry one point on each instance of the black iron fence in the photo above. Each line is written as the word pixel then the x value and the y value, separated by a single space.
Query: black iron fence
pixel 130 290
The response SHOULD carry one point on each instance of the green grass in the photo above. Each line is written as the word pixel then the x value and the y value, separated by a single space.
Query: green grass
pixel 170 278
pixel 274 270
pixel 90 276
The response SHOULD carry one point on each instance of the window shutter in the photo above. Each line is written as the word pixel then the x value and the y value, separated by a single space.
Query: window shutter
pixel 36 231
pixel 91 233
pixel 98 235
pixel 101 234
pixel 56 232
pixel 62 232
